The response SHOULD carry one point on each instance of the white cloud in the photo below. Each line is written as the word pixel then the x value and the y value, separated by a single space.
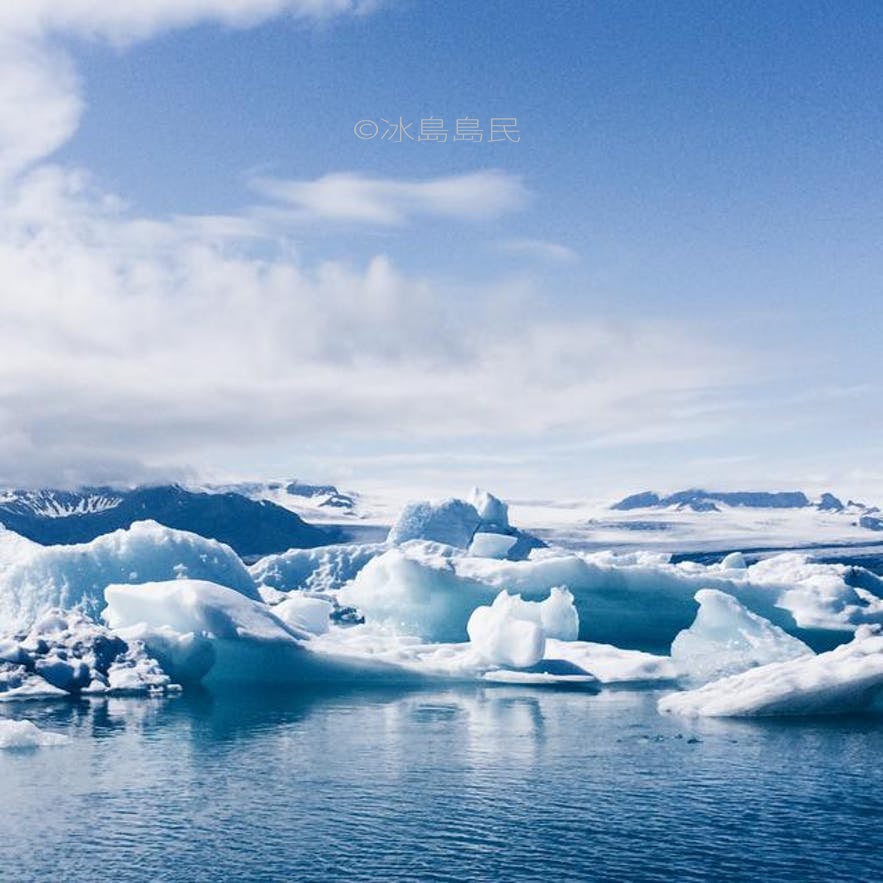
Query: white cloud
pixel 140 19
pixel 351 197
pixel 126 341
pixel 40 103
pixel 131 345
pixel 538 248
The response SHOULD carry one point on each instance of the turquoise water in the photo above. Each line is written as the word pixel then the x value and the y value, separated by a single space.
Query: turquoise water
pixel 454 784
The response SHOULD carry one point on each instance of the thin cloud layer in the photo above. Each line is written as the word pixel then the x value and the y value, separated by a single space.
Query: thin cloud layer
pixel 351 197
pixel 150 342
pixel 40 101
pixel 134 347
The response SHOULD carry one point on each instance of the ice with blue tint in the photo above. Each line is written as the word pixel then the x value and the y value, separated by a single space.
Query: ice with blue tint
pixel 848 679
pixel 319 570
pixel 450 521
pixel 638 601
pixel 512 632
pixel 727 638
pixel 35 578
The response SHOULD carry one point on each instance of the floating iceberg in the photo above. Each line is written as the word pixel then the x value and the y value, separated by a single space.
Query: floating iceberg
pixel 492 511
pixel 848 679
pixel 198 629
pixel 318 570
pixel 65 653
pixel 503 637
pixel 635 601
pixel 36 578
pixel 305 613
pixel 25 734
pixel 513 632
pixel 726 638
pixel 613 665
pixel 417 591
pixel 450 521
pixel 463 525
pixel 491 545
pixel 734 561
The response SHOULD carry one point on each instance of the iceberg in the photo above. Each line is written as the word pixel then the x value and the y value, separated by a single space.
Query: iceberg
pixel 417 591
pixel 492 511
pixel 305 613
pixel 317 570
pixel 36 578
pixel 491 545
pixel 848 679
pixel 637 601
pixel 512 632
pixel 734 561
pixel 613 665
pixel 450 521
pixel 503 639
pixel 727 638
pixel 642 601
pixel 25 734
pixel 462 524
pixel 65 653
pixel 243 634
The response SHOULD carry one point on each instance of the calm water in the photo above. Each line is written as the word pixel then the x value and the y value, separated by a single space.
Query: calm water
pixel 455 784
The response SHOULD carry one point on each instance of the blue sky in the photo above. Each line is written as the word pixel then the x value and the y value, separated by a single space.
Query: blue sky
pixel 695 196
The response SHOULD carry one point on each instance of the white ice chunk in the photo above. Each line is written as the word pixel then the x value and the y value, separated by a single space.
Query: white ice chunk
pixel 416 591
pixel 305 613
pixel 846 680
pixel 36 578
pixel 513 632
pixel 734 561
pixel 450 521
pixel 491 510
pixel 491 545
pixel 726 638
pixel 317 570
pixel 189 605
pixel 197 629
pixel 25 734
pixel 613 665
pixel 502 635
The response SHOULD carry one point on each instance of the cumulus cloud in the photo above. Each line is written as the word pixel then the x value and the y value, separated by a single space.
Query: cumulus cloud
pixel 40 102
pixel 125 340
pixel 351 197
pixel 131 347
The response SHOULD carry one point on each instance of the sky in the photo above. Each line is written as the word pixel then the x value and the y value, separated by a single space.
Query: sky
pixel 671 278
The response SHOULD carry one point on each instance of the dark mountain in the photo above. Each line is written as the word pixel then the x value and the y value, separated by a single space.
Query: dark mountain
pixel 705 501
pixel 250 527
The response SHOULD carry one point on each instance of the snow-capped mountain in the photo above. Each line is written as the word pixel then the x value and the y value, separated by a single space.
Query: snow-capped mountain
pixel 315 502
pixel 59 504
pixel 709 501
pixel 697 520
pixel 251 527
